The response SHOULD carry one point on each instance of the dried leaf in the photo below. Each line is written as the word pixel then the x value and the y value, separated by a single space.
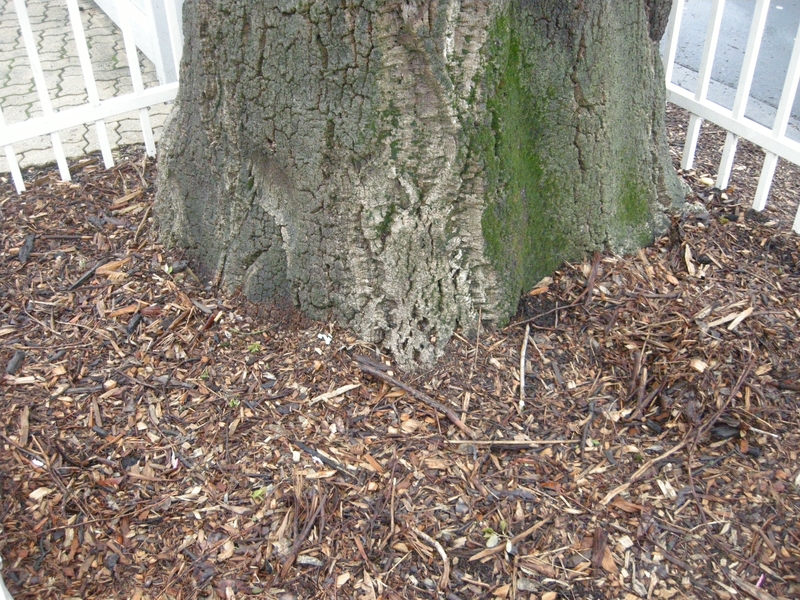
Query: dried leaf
pixel 227 551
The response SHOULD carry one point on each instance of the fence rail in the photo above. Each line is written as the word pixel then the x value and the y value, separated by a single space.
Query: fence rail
pixel 773 140
pixel 95 111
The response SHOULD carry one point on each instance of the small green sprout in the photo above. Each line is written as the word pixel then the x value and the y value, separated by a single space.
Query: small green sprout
pixel 491 536
pixel 254 348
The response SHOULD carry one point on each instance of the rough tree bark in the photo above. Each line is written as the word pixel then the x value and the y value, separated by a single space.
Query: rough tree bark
pixel 405 166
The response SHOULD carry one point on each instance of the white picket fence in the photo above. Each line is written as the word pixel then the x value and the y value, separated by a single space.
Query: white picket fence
pixel 773 140
pixel 96 110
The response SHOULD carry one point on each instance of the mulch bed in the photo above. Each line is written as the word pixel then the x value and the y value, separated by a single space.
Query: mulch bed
pixel 163 440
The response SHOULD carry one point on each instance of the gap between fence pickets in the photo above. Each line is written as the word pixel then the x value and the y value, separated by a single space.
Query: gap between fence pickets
pixel 95 111
pixel 773 141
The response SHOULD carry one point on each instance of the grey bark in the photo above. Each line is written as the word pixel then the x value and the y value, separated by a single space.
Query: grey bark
pixel 406 166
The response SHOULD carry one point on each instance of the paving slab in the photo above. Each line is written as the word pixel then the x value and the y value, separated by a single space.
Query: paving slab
pixel 19 98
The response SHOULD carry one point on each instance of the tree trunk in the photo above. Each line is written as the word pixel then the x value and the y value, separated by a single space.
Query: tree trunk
pixel 405 166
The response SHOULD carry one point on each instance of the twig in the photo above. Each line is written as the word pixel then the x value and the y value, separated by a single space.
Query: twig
pixel 761 431
pixel 88 274
pixel 785 385
pixel 391 506
pixel 511 443
pixel 672 558
pixel 547 312
pixel 323 459
pixel 642 470
pixel 705 427
pixel 135 380
pixel 708 424
pixel 341 391
pixel 645 402
pixel 417 394
pixel 599 544
pixel 646 466
pixel 444 582
pixel 522 358
pixel 298 543
pixel 587 427
pixel 142 223
pixel 477 344
pixel 637 292
pixel 637 368
pixel 66 237
pixel 693 490
pixel 590 281
pixel 586 292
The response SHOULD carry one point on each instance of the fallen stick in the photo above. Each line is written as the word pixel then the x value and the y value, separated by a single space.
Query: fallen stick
pixel 522 357
pixel 88 274
pixel 511 443
pixel 444 582
pixel 323 459
pixel 590 282
pixel 298 543
pixel 423 397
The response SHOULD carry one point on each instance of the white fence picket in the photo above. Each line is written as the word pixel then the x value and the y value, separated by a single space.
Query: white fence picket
pixel 13 165
pixel 88 78
pixel 780 125
pixel 709 51
pixel 743 89
pixel 671 38
pixel 175 34
pixel 41 85
pixel 136 75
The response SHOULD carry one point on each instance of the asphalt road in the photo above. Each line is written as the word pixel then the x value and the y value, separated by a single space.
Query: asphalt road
pixel 773 60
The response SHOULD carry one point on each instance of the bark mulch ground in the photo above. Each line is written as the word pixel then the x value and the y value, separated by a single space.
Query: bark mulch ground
pixel 633 434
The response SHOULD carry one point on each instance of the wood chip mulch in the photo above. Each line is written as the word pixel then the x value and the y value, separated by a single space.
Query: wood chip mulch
pixel 633 434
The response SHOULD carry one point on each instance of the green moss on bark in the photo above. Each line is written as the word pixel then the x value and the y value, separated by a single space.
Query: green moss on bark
pixel 524 239
pixel 633 212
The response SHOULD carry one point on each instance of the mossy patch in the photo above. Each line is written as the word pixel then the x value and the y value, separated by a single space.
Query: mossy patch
pixel 523 236
pixel 633 208
pixel 633 213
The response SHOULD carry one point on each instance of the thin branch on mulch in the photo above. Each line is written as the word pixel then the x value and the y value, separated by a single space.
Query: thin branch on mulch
pixel 434 404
